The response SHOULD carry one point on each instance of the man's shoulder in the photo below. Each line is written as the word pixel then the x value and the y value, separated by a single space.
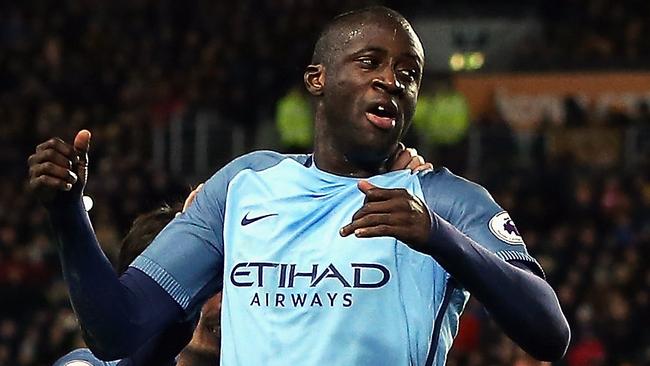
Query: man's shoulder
pixel 449 192
pixel 444 180
pixel 82 357
pixel 256 161
pixel 261 160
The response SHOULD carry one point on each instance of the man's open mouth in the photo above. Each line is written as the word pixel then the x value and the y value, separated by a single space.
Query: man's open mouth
pixel 382 115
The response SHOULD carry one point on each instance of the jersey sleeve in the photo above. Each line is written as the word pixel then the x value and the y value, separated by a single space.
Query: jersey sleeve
pixel 472 210
pixel 186 257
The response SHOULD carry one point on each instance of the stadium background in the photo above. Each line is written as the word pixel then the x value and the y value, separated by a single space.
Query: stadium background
pixel 556 95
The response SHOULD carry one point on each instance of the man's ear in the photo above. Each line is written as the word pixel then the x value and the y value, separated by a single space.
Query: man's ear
pixel 315 79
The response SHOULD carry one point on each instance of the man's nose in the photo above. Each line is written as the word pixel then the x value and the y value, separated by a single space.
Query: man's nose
pixel 386 79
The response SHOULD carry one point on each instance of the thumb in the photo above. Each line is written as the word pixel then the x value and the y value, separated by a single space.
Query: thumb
pixel 365 186
pixel 82 141
pixel 82 145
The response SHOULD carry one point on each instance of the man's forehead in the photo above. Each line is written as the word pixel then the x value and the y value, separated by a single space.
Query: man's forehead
pixel 379 30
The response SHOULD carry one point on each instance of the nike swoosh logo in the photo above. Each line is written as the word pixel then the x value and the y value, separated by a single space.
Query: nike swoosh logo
pixel 245 221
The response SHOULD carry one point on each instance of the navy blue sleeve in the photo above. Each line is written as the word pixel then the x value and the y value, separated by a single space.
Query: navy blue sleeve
pixel 117 315
pixel 478 244
pixel 523 303
pixel 162 349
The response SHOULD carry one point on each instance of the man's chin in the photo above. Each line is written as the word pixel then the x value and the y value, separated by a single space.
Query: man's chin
pixel 191 356
pixel 373 155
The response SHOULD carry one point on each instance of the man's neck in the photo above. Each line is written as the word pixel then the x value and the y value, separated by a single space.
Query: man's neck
pixel 331 157
pixel 332 160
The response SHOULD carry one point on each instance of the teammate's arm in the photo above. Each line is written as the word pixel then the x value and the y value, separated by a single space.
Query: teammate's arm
pixel 523 304
pixel 408 158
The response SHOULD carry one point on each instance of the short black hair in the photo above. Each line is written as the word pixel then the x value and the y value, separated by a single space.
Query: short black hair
pixel 144 229
pixel 325 45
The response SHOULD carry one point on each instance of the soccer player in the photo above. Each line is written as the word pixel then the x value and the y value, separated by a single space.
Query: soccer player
pixel 203 348
pixel 324 259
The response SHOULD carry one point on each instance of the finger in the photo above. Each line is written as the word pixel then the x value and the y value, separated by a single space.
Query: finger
pixel 368 221
pixel 379 230
pixel 402 160
pixel 415 162
pixel 50 155
pixel 53 170
pixel 82 141
pixel 391 205
pixel 370 189
pixel 191 196
pixel 412 151
pixel 45 182
pixel 365 186
pixel 425 166
pixel 82 145
pixel 372 192
pixel 57 144
pixel 382 194
pixel 188 200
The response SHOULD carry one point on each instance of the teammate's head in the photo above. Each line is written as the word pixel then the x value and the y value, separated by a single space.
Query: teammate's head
pixel 365 76
pixel 144 229
pixel 203 348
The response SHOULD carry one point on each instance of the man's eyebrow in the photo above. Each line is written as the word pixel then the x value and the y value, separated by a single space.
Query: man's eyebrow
pixel 370 49
pixel 414 56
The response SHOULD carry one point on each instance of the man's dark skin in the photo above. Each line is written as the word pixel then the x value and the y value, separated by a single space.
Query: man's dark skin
pixel 375 58
pixel 381 63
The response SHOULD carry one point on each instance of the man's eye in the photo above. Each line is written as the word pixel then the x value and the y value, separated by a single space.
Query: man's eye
pixel 368 62
pixel 411 74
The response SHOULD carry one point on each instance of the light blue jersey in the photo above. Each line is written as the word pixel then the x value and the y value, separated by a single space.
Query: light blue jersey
pixel 83 357
pixel 295 292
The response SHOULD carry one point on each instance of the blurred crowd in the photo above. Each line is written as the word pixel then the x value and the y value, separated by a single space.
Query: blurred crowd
pixel 121 68
pixel 590 230
pixel 589 34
